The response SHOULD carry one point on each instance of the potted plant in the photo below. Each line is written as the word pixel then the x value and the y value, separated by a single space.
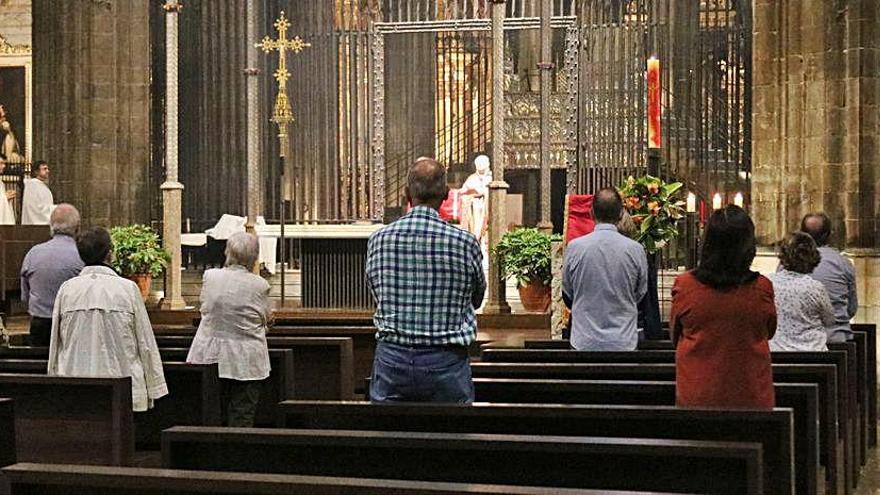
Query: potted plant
pixel 524 254
pixel 655 209
pixel 138 255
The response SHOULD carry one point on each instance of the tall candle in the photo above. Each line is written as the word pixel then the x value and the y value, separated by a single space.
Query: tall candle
pixel 654 134
pixel 738 199
pixel 716 201
pixel 691 203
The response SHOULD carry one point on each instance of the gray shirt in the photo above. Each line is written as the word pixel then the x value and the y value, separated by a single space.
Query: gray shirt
pixel 838 276
pixel 803 312
pixel 45 267
pixel 605 276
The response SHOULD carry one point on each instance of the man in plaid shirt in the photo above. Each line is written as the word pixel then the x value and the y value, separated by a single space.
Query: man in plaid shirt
pixel 427 279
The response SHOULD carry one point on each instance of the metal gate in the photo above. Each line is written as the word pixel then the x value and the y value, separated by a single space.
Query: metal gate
pixel 705 52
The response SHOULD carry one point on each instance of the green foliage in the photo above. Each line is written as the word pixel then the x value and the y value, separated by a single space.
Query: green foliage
pixel 137 251
pixel 525 255
pixel 655 209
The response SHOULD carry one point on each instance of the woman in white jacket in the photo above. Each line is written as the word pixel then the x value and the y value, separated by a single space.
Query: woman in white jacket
pixel 235 315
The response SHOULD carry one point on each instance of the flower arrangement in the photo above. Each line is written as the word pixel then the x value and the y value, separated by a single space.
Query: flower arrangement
pixel 655 209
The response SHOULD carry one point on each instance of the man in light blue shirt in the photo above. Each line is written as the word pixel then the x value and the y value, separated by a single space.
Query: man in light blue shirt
pixel 604 277
pixel 837 274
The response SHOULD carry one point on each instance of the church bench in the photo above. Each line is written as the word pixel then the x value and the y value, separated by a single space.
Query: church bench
pixel 773 429
pixel 803 399
pixel 60 479
pixel 869 331
pixel 7 432
pixel 847 408
pixel 562 462
pixel 193 398
pixel 322 366
pixel 277 387
pixel 72 420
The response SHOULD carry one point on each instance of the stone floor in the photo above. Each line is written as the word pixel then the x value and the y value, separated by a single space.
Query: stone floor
pixel 870 482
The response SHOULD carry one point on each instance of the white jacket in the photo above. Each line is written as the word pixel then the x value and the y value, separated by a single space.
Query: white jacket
pixel 100 328
pixel 235 311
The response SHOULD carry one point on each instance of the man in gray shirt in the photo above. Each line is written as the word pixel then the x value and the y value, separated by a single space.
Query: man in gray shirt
pixel 604 277
pixel 836 273
pixel 45 267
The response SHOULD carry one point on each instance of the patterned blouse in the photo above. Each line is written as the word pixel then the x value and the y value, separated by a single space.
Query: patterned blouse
pixel 804 311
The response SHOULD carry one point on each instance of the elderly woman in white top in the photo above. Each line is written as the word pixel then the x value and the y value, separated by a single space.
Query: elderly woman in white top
pixel 235 315
pixel 803 307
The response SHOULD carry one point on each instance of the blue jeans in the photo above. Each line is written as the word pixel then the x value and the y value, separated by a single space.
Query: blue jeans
pixel 421 374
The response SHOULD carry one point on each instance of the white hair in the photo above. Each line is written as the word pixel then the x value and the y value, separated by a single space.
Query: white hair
pixel 482 162
pixel 242 249
pixel 64 220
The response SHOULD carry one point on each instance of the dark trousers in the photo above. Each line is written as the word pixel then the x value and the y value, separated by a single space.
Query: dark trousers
pixel 424 374
pixel 41 330
pixel 240 400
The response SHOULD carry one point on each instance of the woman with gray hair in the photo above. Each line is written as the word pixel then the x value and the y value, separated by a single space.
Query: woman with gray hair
pixel 803 307
pixel 235 316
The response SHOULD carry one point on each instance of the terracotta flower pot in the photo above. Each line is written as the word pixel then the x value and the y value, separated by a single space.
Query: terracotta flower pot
pixel 535 297
pixel 143 281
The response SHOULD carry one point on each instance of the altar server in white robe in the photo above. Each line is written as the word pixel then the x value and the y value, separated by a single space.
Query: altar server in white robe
pixel 7 214
pixel 37 202
pixel 100 326
pixel 476 193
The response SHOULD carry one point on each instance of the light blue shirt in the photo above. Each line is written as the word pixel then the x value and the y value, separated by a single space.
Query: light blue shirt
pixel 605 276
pixel 838 276
pixel 45 267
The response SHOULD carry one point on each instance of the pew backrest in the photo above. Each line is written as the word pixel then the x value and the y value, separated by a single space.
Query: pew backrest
pixel 565 462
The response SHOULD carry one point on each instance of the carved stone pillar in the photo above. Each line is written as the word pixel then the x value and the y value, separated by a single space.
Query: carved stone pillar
pixel 546 67
pixel 172 190
pixel 496 302
pixel 253 129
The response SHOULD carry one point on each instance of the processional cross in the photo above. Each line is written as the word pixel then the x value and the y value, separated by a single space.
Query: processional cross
pixel 282 115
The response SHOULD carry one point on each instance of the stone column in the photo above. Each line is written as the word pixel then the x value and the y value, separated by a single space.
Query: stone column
pixel 816 97
pixel 172 190
pixel 496 302
pixel 92 117
pixel 253 112
pixel 546 67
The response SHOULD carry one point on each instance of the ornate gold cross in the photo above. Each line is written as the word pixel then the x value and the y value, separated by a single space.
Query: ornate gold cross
pixel 282 114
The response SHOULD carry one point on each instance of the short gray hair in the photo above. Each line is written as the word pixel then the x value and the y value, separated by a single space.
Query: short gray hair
pixel 242 249
pixel 64 220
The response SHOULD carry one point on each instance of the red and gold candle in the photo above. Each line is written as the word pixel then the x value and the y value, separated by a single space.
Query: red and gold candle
pixel 654 133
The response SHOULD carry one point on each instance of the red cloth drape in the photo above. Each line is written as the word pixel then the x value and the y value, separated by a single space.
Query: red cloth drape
pixel 450 209
pixel 580 216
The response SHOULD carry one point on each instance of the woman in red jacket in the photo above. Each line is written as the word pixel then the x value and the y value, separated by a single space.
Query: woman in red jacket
pixel 723 315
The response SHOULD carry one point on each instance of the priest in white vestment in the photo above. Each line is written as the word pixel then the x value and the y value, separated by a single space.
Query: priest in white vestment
pixel 475 192
pixel 37 202
pixel 100 326
pixel 7 214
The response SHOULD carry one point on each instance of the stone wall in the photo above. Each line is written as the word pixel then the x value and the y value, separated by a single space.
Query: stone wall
pixel 91 105
pixel 15 21
pixel 816 86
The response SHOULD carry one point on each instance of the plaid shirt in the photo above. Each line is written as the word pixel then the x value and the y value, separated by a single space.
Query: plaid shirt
pixel 424 274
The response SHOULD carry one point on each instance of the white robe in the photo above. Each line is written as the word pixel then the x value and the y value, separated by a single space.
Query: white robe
pixel 7 215
pixel 475 209
pixel 37 203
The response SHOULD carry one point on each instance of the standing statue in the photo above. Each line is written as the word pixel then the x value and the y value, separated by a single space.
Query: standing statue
pixel 475 199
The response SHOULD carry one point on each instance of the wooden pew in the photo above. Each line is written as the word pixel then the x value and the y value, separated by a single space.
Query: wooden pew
pixel 7 432
pixel 73 420
pixel 773 429
pixel 564 462
pixel 803 398
pixel 278 387
pixel 60 479
pixel 193 398
pixel 323 366
pixel 838 359
pixel 868 332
